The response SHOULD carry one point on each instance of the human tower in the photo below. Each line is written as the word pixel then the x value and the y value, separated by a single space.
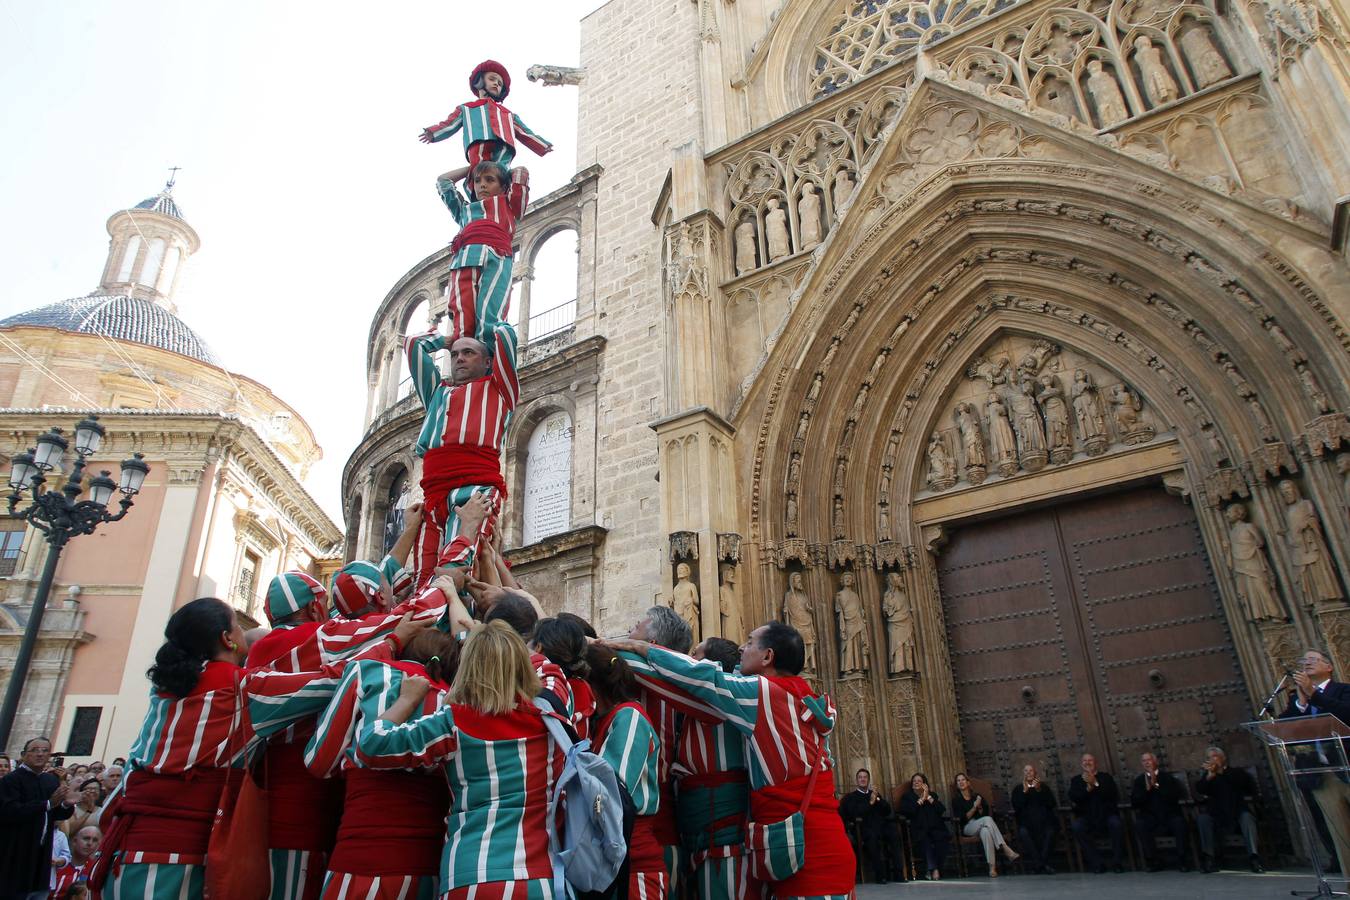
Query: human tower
pixel 411 741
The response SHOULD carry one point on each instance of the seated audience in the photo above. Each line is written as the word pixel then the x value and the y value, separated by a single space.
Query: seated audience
pixel 927 824
pixel 1037 819
pixel 1096 813
pixel 866 808
pixel 1156 798
pixel 972 813
pixel 1223 794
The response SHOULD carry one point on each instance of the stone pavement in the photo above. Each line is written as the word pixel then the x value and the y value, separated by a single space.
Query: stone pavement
pixel 1130 886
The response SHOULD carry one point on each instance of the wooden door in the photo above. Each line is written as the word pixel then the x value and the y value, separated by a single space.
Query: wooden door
pixel 1093 625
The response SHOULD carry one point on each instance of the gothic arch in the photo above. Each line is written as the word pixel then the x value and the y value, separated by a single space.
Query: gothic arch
pixel 523 423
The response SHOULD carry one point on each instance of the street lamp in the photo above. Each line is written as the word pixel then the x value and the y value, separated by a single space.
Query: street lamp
pixel 60 515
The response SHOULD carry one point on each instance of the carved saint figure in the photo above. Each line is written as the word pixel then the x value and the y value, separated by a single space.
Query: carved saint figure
pixel 1158 84
pixel 726 604
pixel 852 626
pixel 1206 61
pixel 1127 406
pixel 745 245
pixel 1030 430
pixel 899 624
pixel 843 189
pixel 1343 467
pixel 941 466
pixel 808 216
pixel 972 442
pixel 685 598
pixel 1058 434
pixel 791 514
pixel 775 226
pixel 797 613
pixel 1002 443
pixel 1313 569
pixel 1251 569
pixel 1088 410
pixel 1106 96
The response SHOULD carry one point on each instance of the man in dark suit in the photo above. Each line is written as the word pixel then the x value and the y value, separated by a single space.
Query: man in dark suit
pixel 1316 693
pixel 32 801
pixel 1096 813
pixel 1223 793
pixel 1156 797
pixel 1037 819
pixel 872 814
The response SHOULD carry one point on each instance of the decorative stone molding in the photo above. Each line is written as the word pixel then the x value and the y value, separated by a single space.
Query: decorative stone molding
pixel 555 75
pixel 683 545
pixel 728 547
pixel 1327 433
pixel 1273 460
pixel 1225 484
pixel 791 550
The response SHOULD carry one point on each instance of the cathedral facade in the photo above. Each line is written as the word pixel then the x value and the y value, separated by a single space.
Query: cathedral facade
pixel 1001 347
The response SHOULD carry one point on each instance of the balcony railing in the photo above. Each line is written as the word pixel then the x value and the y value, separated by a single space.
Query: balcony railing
pixel 551 321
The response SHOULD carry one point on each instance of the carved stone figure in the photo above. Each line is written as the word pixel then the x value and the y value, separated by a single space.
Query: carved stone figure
pixel 899 624
pixel 727 605
pixel 941 466
pixel 1058 433
pixel 972 442
pixel 795 471
pixel 1031 447
pixel 1129 423
pixel 843 189
pixel 1158 84
pixel 1088 410
pixel 852 626
pixel 1106 96
pixel 1313 569
pixel 685 598
pixel 791 514
pixel 1343 467
pixel 1002 443
pixel 808 216
pixel 1247 558
pixel 745 246
pixel 797 613
pixel 775 227
pixel 1206 61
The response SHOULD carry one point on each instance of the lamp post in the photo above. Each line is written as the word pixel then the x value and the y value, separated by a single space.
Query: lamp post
pixel 60 515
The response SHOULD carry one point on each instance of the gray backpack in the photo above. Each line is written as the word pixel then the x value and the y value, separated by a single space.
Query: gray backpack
pixel 588 854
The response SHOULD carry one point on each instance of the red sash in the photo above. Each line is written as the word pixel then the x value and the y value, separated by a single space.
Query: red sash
pixel 644 850
pixel 301 810
pixel 484 231
pixel 830 863
pixel 454 466
pixel 393 823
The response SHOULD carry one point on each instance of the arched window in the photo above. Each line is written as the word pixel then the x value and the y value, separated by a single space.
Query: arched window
pixel 417 322
pixel 170 267
pixel 548 478
pixel 553 288
pixel 396 501
pixel 153 257
pixel 129 258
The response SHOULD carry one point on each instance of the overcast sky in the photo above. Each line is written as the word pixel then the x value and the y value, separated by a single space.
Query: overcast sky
pixel 295 125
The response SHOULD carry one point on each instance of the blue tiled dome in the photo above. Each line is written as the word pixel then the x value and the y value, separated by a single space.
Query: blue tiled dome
pixel 121 318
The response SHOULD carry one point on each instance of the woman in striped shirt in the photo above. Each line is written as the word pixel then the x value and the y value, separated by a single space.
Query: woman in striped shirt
pixel 498 758
pixel 204 713
pixel 627 740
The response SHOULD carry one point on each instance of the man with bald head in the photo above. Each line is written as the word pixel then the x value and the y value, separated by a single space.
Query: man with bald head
pixel 461 438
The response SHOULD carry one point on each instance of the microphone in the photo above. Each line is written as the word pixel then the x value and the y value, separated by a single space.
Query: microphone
pixel 1268 708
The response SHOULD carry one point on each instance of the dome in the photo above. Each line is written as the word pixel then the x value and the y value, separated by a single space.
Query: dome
pixel 163 204
pixel 122 318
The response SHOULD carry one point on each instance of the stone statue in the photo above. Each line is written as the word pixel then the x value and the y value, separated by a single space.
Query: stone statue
pixel 745 246
pixel 1158 84
pixel 1002 444
pixel 795 471
pixel 791 514
pixel 941 466
pixel 1058 434
pixel 808 216
pixel 727 605
pixel 1343 468
pixel 686 598
pixel 899 624
pixel 1087 409
pixel 843 189
pixel 852 626
pixel 775 226
pixel 1247 558
pixel 797 613
pixel 1031 446
pixel 1106 96
pixel 972 442
pixel 1127 406
pixel 1206 61
pixel 1313 569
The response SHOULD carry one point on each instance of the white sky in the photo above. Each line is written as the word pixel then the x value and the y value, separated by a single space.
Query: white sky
pixel 295 125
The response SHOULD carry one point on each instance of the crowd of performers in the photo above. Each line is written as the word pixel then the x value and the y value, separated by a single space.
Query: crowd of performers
pixel 384 738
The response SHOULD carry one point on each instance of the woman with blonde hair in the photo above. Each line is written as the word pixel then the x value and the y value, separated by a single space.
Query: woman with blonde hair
pixel 499 760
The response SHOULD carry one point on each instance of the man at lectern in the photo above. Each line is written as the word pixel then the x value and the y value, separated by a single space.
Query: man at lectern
pixel 1316 693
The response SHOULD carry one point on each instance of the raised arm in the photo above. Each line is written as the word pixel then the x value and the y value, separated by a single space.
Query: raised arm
pixel 423 741
pixel 398 554
pixel 341 639
pixel 442 130
pixel 422 364
pixel 527 137
pixel 733 698
pixel 504 341
pixel 453 200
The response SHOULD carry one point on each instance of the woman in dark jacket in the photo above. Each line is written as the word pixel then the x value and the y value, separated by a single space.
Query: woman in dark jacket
pixel 927 823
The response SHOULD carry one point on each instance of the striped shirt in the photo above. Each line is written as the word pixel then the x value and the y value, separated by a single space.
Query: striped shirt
pixel 786 727
pixel 475 413
pixel 487 120
pixel 708 747
pixel 628 742
pixel 504 209
pixel 501 770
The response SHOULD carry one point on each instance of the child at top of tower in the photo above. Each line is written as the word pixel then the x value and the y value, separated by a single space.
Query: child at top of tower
pixel 480 260
pixel 490 129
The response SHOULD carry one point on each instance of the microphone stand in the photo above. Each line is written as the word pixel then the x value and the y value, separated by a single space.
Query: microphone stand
pixel 1268 708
